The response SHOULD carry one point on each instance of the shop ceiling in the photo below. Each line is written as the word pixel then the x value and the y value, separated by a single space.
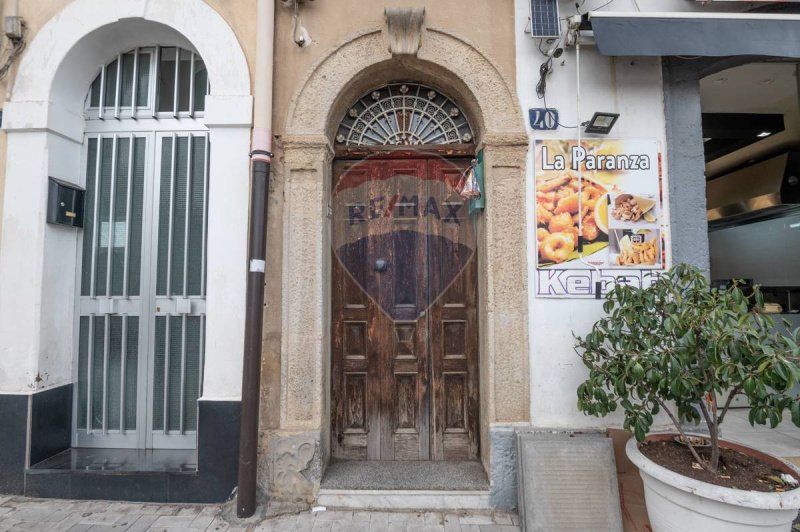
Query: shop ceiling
pixel 749 112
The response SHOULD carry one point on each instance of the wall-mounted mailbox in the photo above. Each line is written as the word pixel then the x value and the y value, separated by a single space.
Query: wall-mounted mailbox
pixel 64 203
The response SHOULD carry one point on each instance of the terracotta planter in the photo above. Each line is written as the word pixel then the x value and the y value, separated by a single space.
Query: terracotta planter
pixel 676 503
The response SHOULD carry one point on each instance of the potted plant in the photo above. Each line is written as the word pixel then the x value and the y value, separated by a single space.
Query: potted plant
pixel 685 349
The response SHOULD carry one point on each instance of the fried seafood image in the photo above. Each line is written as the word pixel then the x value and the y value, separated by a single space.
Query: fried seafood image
pixel 557 216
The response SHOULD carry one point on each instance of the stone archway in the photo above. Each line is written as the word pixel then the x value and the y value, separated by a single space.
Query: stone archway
pixel 468 75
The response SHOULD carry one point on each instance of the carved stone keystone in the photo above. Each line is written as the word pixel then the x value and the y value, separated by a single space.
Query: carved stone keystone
pixel 404 30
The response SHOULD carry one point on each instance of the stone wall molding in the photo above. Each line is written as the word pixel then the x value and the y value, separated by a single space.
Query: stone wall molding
pixel 404 30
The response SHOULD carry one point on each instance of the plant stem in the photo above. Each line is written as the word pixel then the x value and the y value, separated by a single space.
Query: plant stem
pixel 683 434
pixel 713 432
pixel 736 390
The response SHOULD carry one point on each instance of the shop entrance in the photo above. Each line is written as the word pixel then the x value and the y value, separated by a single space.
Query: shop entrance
pixel 751 133
pixel 404 328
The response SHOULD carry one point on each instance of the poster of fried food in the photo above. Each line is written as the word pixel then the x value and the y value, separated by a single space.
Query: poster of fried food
pixel 607 216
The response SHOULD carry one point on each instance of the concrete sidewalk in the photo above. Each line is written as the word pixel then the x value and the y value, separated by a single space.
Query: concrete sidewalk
pixel 46 515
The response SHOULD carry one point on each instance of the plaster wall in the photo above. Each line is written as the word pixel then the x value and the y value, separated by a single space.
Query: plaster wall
pixel 633 88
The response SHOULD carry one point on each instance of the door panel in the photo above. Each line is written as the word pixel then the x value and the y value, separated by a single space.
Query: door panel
pixel 402 247
pixel 110 303
pixel 454 326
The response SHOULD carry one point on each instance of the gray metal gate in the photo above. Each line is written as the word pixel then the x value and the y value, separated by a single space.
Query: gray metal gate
pixel 142 279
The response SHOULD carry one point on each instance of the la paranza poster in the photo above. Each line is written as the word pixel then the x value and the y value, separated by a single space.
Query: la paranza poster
pixel 613 206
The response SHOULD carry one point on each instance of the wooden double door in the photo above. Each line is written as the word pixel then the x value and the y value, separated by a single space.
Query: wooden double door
pixel 404 312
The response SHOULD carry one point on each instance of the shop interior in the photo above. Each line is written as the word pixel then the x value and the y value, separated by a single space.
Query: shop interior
pixel 751 135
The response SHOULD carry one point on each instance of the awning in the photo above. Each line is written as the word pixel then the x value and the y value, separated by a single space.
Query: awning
pixel 696 34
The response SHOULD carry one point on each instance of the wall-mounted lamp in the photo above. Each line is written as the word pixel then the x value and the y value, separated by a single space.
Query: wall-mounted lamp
pixel 601 123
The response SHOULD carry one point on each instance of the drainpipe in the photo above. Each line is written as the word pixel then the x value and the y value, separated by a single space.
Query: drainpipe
pixel 261 159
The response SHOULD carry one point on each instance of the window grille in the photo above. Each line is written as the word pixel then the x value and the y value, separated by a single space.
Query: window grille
pixel 404 114
pixel 123 87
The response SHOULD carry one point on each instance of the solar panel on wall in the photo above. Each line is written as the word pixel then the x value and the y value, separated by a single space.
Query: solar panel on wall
pixel 544 18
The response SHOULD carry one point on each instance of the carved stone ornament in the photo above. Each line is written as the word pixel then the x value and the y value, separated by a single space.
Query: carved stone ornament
pixel 404 29
pixel 292 457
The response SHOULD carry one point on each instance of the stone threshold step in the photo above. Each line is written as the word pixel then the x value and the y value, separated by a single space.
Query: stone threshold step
pixel 351 499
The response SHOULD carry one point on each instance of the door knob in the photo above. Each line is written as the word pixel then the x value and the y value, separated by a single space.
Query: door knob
pixel 381 265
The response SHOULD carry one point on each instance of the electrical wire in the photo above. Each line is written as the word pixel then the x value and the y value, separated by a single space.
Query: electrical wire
pixel 598 285
pixel 17 47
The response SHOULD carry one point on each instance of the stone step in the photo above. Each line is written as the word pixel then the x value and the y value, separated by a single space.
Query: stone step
pixel 351 499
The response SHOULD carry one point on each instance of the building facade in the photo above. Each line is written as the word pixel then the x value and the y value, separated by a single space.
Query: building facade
pixel 402 322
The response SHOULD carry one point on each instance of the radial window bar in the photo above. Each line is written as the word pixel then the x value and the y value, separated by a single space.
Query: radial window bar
pixel 404 114
pixel 178 77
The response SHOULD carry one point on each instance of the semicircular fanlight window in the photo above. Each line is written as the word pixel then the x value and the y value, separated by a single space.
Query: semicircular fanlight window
pixel 402 114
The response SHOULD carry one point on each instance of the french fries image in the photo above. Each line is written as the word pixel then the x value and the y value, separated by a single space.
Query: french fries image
pixel 633 253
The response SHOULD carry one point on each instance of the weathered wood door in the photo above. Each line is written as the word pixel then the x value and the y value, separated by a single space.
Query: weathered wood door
pixel 404 319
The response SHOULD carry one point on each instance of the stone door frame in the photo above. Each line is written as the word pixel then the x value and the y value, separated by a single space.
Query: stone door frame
pixel 299 449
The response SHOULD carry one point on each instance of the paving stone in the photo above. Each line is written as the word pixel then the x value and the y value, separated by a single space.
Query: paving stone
pixel 8 524
pixel 408 518
pixel 202 521
pixel 189 510
pixel 388 527
pixel 80 527
pixel 350 526
pixel 378 518
pixel 35 515
pixel 218 525
pixel 287 523
pixel 476 520
pixel 142 523
pixel 125 507
pixel 425 528
pixel 334 515
pixel 362 516
pixel 173 521
pixel 101 518
pixel 167 510
pixel 90 506
pixel 322 526
pixel 451 523
pixel 107 528
pixel 499 528
pixel 68 522
pixel 502 518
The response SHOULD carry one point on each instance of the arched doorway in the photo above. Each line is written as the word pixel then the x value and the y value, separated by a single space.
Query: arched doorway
pixel 404 331
pixel 300 445
pixel 142 258
pixel 51 120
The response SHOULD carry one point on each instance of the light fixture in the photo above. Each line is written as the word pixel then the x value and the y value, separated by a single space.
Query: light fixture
pixel 601 123
pixel 764 134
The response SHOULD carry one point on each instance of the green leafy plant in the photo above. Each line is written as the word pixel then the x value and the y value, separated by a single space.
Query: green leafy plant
pixel 685 348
